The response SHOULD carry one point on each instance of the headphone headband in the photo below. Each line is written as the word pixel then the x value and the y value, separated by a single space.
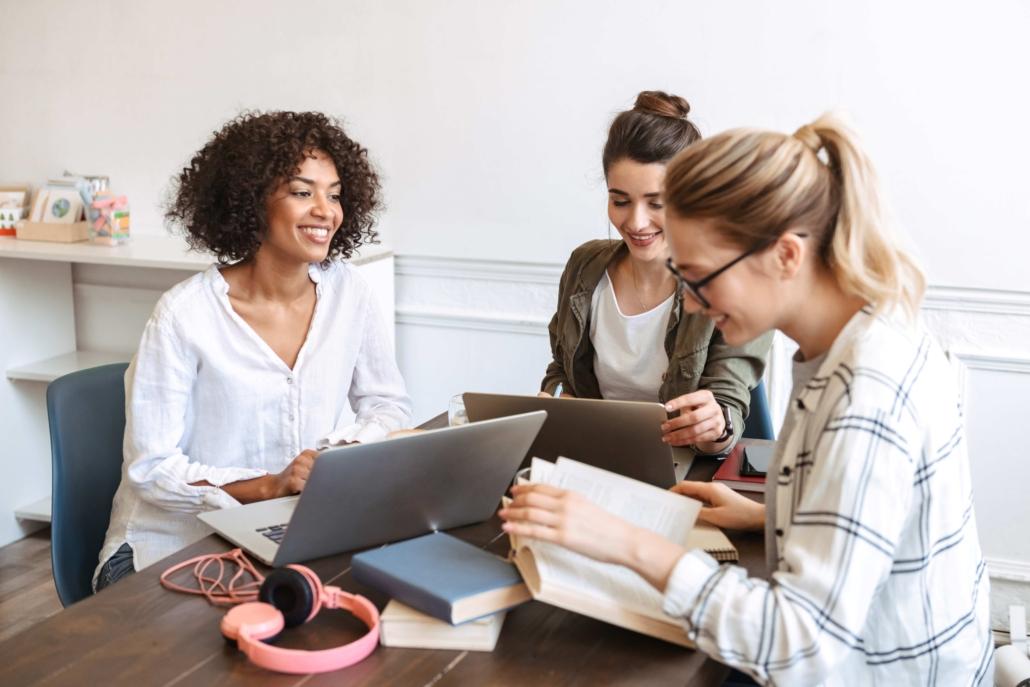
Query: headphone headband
pixel 302 593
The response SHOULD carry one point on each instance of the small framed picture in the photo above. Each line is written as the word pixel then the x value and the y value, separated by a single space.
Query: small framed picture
pixel 63 206
pixel 38 205
pixel 12 207
pixel 11 199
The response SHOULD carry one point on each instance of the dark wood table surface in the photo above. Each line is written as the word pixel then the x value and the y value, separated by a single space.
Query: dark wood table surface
pixel 137 633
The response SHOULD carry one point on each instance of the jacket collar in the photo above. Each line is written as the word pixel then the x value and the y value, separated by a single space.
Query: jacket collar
pixel 590 275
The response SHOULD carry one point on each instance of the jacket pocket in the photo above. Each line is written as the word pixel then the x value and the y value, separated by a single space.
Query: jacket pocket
pixel 693 364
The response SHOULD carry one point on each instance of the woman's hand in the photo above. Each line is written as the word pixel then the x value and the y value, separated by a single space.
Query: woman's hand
pixel 293 479
pixel 700 420
pixel 547 513
pixel 724 507
pixel 540 511
pixel 286 483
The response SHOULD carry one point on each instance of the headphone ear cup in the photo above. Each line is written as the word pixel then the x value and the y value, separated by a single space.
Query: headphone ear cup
pixel 289 591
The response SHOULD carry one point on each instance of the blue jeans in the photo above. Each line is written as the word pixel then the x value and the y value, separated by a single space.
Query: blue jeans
pixel 117 566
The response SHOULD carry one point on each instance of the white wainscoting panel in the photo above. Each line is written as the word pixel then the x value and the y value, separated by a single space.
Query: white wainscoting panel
pixel 482 325
pixel 472 325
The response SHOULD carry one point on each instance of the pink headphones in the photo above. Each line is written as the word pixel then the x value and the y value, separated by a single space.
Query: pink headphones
pixel 289 597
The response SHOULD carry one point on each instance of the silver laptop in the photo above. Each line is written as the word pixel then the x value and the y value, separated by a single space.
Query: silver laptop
pixel 621 436
pixel 370 494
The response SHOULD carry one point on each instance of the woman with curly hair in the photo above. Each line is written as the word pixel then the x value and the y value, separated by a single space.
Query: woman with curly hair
pixel 247 368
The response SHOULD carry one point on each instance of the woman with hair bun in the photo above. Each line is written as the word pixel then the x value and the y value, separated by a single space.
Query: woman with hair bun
pixel 876 571
pixel 245 369
pixel 620 330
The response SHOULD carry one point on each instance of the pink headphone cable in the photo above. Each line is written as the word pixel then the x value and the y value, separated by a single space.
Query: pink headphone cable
pixel 237 590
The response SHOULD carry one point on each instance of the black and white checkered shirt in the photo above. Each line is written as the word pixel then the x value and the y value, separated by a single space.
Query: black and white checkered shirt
pixel 879 577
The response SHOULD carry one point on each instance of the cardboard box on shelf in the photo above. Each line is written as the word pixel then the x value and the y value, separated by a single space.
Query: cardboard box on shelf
pixel 49 231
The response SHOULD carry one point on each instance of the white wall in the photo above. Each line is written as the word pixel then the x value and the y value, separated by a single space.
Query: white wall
pixel 487 120
pixel 487 117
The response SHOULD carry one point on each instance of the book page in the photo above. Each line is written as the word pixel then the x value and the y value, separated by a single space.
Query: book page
pixel 671 515
pixel 610 584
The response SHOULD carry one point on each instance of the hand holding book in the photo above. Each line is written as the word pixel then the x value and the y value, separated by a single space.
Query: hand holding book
pixel 547 513
pixel 603 545
pixel 650 547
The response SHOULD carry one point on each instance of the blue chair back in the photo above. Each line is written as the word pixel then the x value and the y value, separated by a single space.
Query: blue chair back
pixel 87 421
pixel 759 423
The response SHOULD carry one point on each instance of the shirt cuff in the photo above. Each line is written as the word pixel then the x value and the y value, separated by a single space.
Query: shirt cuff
pixel 686 581
pixel 217 499
pixel 361 432
pixel 221 476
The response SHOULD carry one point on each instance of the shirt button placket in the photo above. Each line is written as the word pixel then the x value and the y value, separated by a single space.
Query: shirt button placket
pixel 291 396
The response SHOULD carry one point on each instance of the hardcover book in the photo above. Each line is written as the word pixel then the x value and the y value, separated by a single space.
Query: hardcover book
pixel 443 577
pixel 731 472
pixel 402 626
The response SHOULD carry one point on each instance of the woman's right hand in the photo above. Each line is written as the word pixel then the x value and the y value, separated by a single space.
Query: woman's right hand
pixel 272 486
pixel 724 507
pixel 292 480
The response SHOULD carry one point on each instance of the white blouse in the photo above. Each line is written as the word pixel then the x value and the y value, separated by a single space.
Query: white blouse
pixel 629 350
pixel 208 400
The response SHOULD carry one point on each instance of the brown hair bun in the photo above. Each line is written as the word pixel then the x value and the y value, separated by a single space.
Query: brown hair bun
pixel 662 104
pixel 655 130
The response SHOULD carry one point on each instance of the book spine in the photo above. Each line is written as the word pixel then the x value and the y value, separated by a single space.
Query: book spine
pixel 418 598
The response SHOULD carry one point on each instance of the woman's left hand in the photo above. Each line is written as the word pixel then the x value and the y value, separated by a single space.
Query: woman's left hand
pixel 700 420
pixel 541 511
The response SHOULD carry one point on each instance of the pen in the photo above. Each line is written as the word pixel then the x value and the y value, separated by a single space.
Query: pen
pixel 557 390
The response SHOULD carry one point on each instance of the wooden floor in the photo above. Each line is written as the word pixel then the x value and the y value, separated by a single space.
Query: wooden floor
pixel 27 593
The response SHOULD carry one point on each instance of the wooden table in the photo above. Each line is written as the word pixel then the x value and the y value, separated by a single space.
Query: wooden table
pixel 137 633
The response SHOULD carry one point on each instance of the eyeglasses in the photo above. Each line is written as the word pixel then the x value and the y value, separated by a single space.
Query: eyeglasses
pixel 694 287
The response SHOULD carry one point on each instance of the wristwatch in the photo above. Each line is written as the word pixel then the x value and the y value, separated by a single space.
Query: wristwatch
pixel 727 431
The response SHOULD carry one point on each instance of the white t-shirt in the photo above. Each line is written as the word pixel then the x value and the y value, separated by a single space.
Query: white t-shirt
pixel 208 400
pixel 629 350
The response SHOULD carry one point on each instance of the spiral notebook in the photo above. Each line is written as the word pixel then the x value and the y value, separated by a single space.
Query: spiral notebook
pixel 714 542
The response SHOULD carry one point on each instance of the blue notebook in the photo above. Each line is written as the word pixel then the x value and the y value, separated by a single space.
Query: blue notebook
pixel 442 576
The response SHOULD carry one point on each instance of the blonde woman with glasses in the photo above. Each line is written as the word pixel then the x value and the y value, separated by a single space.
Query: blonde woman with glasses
pixel 876 573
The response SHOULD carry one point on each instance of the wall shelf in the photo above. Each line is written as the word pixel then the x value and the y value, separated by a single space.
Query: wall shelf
pixel 163 252
pixel 49 369
pixel 38 511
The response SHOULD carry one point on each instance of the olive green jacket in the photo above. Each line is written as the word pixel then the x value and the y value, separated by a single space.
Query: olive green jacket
pixel 698 356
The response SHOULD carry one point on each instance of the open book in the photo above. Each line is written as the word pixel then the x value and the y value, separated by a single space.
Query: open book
pixel 605 591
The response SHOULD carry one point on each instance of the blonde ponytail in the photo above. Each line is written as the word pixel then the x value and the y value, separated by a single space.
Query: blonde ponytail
pixel 760 184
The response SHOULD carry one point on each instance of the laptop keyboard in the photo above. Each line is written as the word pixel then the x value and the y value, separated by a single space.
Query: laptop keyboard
pixel 274 532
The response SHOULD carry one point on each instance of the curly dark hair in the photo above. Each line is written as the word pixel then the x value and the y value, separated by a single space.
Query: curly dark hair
pixel 219 199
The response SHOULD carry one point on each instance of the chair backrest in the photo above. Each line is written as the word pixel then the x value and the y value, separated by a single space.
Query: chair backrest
pixel 759 423
pixel 87 421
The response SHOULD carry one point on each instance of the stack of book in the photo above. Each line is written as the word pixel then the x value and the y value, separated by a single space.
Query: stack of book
pixel 448 594
pixel 745 467
pixel 445 593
